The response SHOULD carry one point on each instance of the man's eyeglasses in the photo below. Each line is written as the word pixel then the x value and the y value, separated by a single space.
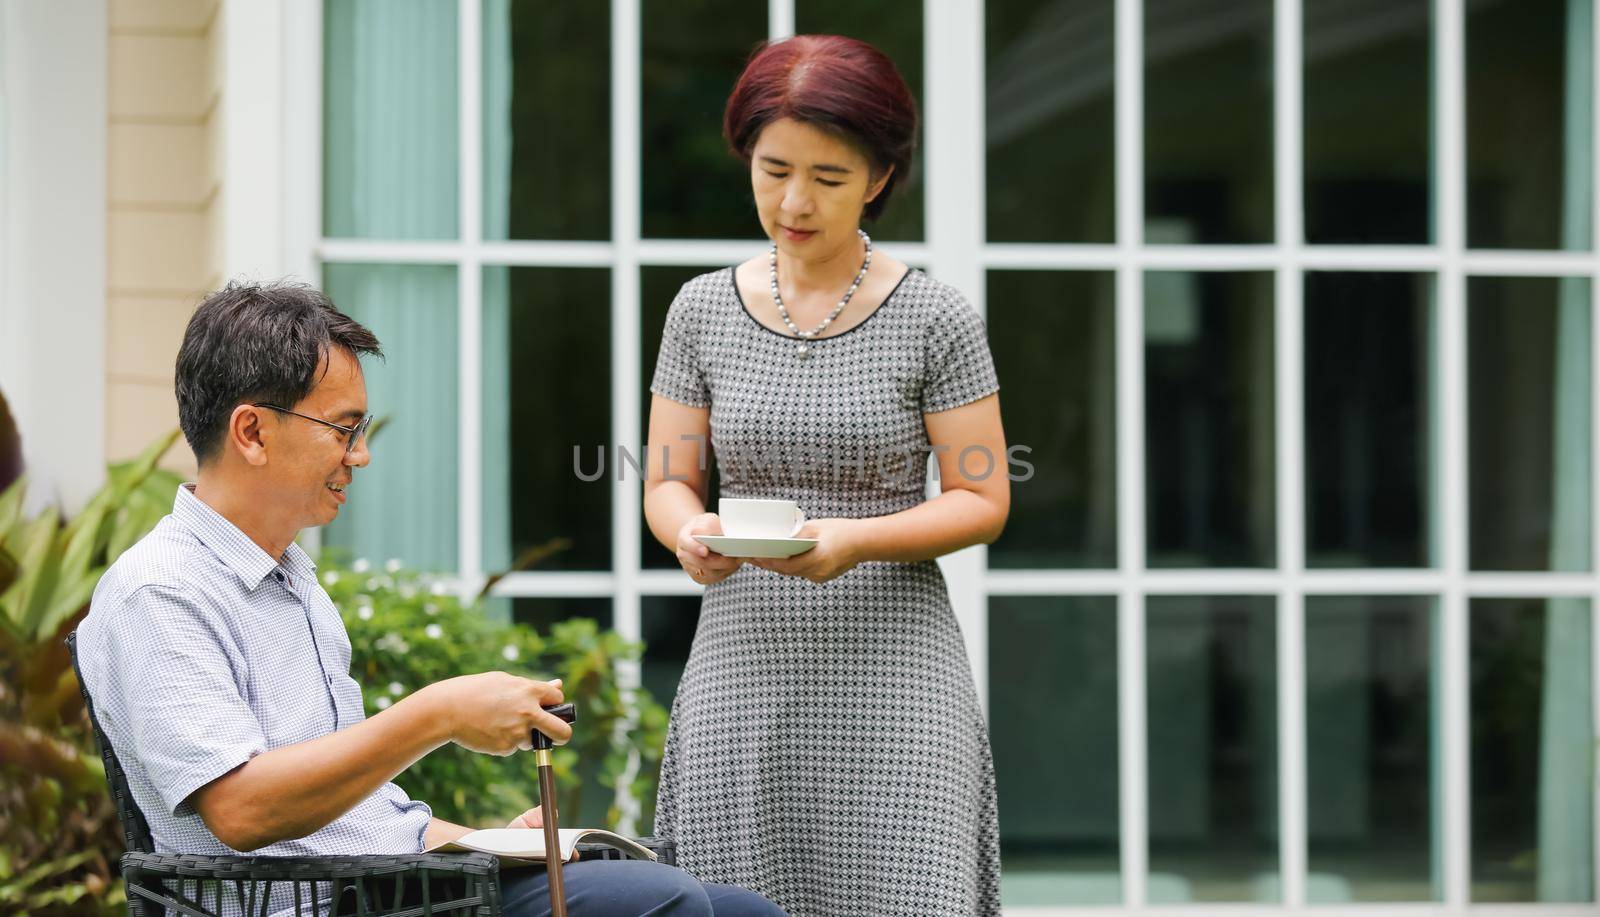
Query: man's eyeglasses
pixel 353 434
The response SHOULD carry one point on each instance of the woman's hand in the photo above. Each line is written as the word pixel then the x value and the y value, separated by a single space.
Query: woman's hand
pixel 704 565
pixel 837 550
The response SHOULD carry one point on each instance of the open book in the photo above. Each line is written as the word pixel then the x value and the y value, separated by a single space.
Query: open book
pixel 528 843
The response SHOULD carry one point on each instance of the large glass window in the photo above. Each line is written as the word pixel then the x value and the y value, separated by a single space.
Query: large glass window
pixel 1309 512
pixel 1533 750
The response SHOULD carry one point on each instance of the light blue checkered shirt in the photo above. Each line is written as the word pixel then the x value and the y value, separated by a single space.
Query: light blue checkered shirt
pixel 200 652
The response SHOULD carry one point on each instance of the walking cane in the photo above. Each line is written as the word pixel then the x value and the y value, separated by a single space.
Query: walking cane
pixel 547 807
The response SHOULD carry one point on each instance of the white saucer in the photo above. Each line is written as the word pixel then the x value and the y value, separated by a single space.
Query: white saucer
pixel 729 546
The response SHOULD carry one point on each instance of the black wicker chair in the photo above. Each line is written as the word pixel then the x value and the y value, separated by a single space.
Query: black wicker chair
pixel 402 885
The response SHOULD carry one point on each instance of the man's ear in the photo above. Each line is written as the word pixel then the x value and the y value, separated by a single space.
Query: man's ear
pixel 247 434
pixel 876 188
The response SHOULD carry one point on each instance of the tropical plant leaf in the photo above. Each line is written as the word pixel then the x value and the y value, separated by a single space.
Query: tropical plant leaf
pixel 128 475
pixel 68 601
pixel 33 553
pixel 11 506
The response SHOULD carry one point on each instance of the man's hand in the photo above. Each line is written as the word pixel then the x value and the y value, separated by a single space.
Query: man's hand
pixel 533 818
pixel 496 713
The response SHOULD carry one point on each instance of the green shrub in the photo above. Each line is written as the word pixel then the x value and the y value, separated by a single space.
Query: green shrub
pixel 407 631
pixel 59 838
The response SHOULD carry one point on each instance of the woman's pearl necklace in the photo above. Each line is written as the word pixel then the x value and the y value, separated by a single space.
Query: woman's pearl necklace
pixel 806 336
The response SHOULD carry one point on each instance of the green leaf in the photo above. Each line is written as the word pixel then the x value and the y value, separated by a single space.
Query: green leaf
pixel 132 474
pixel 11 506
pixel 82 535
pixel 68 601
pixel 35 555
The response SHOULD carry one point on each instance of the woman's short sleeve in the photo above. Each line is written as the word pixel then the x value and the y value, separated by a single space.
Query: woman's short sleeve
pixel 680 375
pixel 960 369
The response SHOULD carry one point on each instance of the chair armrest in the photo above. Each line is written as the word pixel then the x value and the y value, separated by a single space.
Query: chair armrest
pixel 398 884
pixel 663 847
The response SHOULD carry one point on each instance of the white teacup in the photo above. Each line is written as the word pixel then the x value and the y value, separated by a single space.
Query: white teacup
pixel 760 518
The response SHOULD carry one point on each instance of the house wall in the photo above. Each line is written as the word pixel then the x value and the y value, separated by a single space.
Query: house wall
pixel 163 212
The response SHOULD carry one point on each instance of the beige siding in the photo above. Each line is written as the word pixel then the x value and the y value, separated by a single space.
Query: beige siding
pixel 161 207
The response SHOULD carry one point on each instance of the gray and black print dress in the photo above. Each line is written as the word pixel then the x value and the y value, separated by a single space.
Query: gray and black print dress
pixel 826 746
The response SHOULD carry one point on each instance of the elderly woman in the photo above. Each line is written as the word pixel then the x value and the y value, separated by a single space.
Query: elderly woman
pixel 827 747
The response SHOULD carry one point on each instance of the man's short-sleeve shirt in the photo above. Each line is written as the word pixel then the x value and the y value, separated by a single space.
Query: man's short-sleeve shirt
pixel 201 651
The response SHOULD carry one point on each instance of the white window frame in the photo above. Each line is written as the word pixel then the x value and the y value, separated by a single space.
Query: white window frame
pixel 955 248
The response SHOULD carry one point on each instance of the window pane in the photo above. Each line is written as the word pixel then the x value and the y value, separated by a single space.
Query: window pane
pixel 693 51
pixel 403 505
pixel 895 28
pixel 1529 396
pixel 1368 422
pixel 1530 144
pixel 546 120
pixel 1213 748
pixel 1368 118
pixel 1370 755
pixel 389 119
pixel 657 287
pixel 1533 750
pixel 543 612
pixel 1208 121
pixel 667 624
pixel 1209 419
pixel 1053 720
pixel 1053 334
pixel 1049 113
pixel 546 347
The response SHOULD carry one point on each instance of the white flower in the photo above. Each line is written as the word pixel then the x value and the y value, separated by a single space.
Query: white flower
pixel 408 591
pixel 331 577
pixel 393 643
pixel 430 608
pixel 373 585
pixel 439 588
pixel 396 687
pixel 510 652
pixel 364 612
pixel 361 565
pixel 382 703
pixel 393 565
pixel 434 631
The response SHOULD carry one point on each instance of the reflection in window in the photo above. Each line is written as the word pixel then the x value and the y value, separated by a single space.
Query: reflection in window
pixel 546 120
pixel 1371 813
pixel 1367 424
pixel 896 30
pixel 1368 119
pixel 1213 748
pixel 692 52
pixel 1053 721
pixel 1528 402
pixel 1533 750
pixel 1053 335
pixel 546 347
pixel 1208 121
pixel 657 287
pixel 1209 419
pixel 389 100
pixel 1049 110
pixel 1529 112
pixel 403 505
pixel 667 625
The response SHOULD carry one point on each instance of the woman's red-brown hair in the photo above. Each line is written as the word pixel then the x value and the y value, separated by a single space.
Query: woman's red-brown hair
pixel 838 84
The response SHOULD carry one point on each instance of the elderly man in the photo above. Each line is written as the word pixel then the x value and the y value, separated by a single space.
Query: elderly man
pixel 220 668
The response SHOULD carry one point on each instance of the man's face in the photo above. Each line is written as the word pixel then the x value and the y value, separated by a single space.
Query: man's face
pixel 309 465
